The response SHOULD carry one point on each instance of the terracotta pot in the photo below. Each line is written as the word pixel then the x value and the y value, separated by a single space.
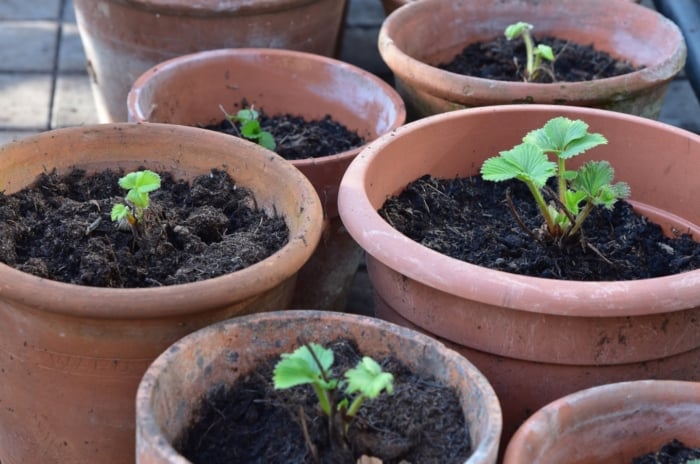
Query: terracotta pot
pixel 189 90
pixel 71 356
pixel 611 423
pixel 174 384
pixel 415 39
pixel 391 5
pixel 124 38
pixel 535 339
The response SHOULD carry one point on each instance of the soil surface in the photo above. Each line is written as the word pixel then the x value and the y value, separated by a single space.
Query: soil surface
pixel 504 60
pixel 61 229
pixel 469 219
pixel 298 138
pixel 673 452
pixel 251 422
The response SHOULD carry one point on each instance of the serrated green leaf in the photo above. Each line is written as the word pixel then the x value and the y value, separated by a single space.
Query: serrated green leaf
pixel 299 367
pixel 595 180
pixel 250 129
pixel 564 137
pixel 144 181
pixel 525 162
pixel 119 212
pixel 572 201
pixel 138 198
pixel 369 379
pixel 585 143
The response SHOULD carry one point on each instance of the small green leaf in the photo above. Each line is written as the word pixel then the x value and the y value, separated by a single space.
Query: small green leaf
pixel 545 51
pixel 300 368
pixel 369 379
pixel 595 180
pixel 516 30
pixel 267 140
pixel 250 129
pixel 144 181
pixel 248 114
pixel 525 162
pixel 564 137
pixel 572 201
pixel 119 212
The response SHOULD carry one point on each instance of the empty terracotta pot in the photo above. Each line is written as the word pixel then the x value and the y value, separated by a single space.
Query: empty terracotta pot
pixel 189 90
pixel 71 356
pixel 124 38
pixel 415 39
pixel 181 377
pixel 535 339
pixel 612 423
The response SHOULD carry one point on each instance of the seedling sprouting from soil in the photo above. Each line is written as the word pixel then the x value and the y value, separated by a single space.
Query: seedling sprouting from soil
pixel 311 364
pixel 138 184
pixel 578 192
pixel 250 128
pixel 534 53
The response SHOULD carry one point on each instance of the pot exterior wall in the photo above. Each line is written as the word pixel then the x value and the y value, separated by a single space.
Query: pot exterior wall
pixel 219 354
pixel 415 39
pixel 71 356
pixel 124 38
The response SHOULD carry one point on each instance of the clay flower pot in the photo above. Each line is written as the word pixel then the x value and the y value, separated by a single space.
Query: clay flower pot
pixel 124 38
pixel 535 339
pixel 611 423
pixel 178 379
pixel 71 356
pixel 415 39
pixel 189 90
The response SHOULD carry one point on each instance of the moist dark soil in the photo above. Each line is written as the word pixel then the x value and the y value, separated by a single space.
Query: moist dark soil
pixel 251 422
pixel 469 219
pixel 674 452
pixel 504 60
pixel 298 138
pixel 60 229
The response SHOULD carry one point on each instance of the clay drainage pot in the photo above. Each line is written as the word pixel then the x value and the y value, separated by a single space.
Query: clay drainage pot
pixel 220 354
pixel 423 34
pixel 71 356
pixel 190 89
pixel 612 424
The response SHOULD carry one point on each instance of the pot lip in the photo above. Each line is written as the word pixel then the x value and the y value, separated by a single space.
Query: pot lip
pixel 250 53
pixel 110 303
pixel 146 421
pixel 216 7
pixel 459 86
pixel 519 292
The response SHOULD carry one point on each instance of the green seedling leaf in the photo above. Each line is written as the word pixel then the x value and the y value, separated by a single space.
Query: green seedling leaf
pixel 119 212
pixel 251 129
pixel 369 379
pixel 525 162
pixel 139 184
pixel 594 180
pixel 545 51
pixel 564 137
pixel 267 140
pixel 516 30
pixel 300 367
pixel 248 114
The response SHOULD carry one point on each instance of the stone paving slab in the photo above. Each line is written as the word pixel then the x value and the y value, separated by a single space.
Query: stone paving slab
pixel 28 45
pixel 29 9
pixel 73 104
pixel 25 100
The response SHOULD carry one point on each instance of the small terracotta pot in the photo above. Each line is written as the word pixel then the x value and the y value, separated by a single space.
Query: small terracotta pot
pixel 391 5
pixel 177 380
pixel 71 356
pixel 124 38
pixel 535 339
pixel 612 423
pixel 415 39
pixel 190 89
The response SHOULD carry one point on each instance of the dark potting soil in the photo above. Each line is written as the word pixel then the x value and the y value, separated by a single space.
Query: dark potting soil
pixel 251 422
pixel 504 60
pixel 298 138
pixel 60 229
pixel 673 452
pixel 469 219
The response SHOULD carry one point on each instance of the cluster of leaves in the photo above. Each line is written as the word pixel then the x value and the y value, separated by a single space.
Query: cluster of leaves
pixel 139 185
pixel 534 53
pixel 248 120
pixel 578 192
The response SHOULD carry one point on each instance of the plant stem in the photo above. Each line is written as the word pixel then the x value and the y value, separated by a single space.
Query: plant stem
pixel 529 51
pixel 542 205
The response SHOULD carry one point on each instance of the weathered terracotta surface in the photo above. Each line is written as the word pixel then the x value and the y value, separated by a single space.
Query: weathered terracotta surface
pixel 535 339
pixel 124 38
pixel 413 40
pixel 71 356
pixel 611 423
pixel 391 5
pixel 221 353
pixel 189 90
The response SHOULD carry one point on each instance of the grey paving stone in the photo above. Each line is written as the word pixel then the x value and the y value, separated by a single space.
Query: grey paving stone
pixel 29 9
pixel 73 104
pixel 68 14
pixel 33 45
pixel 681 107
pixel 365 13
pixel 359 47
pixel 25 100
pixel 71 56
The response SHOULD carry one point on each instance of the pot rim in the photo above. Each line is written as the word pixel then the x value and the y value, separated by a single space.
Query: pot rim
pixel 585 299
pixel 69 299
pixel 216 7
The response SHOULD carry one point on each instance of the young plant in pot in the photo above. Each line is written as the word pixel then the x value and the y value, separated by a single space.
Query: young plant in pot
pixel 536 337
pixel 320 113
pixel 72 350
pixel 329 386
pixel 462 58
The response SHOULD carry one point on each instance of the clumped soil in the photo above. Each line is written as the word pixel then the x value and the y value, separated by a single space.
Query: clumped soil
pixel 251 422
pixel 60 229
pixel 504 60
pixel 469 219
pixel 298 138
pixel 673 452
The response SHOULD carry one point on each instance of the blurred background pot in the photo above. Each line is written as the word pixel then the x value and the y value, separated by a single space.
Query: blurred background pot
pixel 189 90
pixel 71 356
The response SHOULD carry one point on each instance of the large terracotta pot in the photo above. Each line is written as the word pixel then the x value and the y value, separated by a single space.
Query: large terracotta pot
pixel 415 39
pixel 189 90
pixel 535 339
pixel 124 38
pixel 612 423
pixel 71 356
pixel 180 378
